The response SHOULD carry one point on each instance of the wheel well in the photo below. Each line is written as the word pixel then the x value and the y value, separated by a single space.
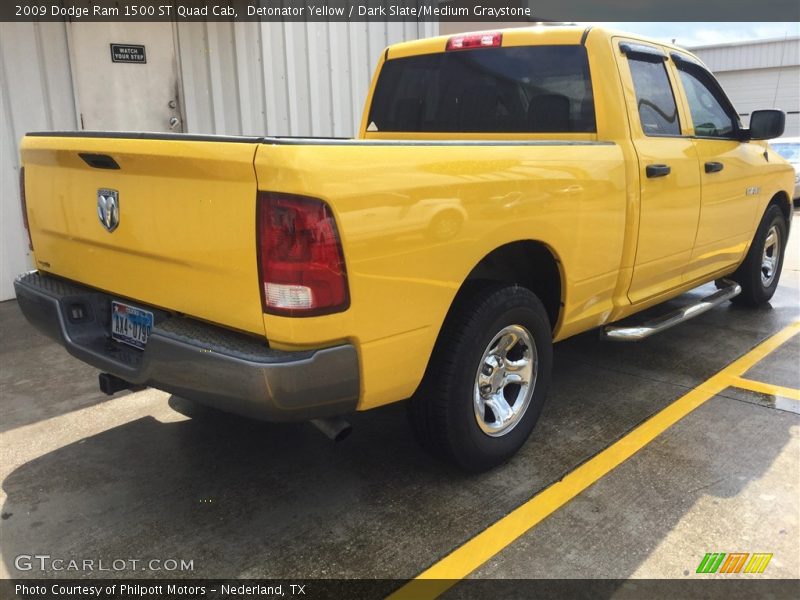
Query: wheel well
pixel 781 199
pixel 528 264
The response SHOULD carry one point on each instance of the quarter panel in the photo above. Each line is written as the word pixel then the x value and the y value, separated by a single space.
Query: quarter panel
pixel 404 270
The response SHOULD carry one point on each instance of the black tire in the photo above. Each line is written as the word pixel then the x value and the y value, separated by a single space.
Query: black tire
pixel 757 289
pixel 444 411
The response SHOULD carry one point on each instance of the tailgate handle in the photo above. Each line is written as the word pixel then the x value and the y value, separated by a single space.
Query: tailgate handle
pixel 657 170
pixel 99 161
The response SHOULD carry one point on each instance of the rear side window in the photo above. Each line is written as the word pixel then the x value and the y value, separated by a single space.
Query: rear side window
pixel 527 89
pixel 658 112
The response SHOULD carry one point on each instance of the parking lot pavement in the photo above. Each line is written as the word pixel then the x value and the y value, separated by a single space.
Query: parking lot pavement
pixel 85 476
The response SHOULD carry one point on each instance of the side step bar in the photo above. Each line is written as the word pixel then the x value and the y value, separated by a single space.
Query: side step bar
pixel 728 289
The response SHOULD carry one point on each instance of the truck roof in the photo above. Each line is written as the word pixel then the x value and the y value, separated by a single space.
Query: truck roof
pixel 542 33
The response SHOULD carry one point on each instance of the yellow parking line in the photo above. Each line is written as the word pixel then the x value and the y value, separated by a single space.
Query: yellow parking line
pixel 472 554
pixel 765 388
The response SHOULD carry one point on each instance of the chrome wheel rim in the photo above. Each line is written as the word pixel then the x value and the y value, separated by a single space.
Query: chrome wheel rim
pixel 770 256
pixel 505 380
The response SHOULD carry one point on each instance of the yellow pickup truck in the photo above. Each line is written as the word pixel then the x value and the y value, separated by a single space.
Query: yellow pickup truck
pixel 506 190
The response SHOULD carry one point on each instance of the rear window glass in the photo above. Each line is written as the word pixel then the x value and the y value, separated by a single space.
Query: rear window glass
pixel 528 89
pixel 658 112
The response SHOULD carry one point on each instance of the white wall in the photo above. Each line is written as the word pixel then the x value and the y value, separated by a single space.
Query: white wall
pixel 238 78
pixel 283 78
pixel 754 89
pixel 35 93
pixel 759 74
pixel 758 54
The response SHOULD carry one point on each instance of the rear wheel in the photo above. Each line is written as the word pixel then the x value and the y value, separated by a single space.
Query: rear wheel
pixel 487 380
pixel 761 270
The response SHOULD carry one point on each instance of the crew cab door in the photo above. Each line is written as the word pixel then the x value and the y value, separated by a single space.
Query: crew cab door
pixel 669 178
pixel 728 172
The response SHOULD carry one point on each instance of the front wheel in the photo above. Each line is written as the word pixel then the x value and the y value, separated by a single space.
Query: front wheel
pixel 761 270
pixel 487 380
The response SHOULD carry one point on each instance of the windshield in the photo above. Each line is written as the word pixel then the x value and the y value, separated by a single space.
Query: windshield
pixel 790 152
pixel 534 89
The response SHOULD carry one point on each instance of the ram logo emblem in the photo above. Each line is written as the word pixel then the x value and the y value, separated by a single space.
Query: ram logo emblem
pixel 108 208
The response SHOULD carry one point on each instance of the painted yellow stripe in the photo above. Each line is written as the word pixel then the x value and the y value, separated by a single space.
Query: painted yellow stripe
pixel 765 388
pixel 765 562
pixel 753 561
pixel 465 559
pixel 758 563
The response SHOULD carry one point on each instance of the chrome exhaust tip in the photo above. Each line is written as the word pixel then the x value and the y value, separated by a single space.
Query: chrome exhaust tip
pixel 335 428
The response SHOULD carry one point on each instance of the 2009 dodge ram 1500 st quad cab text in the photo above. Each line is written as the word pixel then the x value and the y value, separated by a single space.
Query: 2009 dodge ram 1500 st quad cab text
pixel 506 190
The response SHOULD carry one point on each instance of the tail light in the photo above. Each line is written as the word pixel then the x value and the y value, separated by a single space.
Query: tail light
pixel 474 40
pixel 24 205
pixel 301 264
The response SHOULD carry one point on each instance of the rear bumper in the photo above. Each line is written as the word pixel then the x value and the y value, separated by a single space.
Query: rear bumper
pixel 212 365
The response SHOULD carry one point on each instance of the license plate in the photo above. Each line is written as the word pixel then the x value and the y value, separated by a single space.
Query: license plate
pixel 130 325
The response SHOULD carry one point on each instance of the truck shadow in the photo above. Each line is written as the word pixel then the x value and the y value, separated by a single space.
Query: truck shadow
pixel 38 379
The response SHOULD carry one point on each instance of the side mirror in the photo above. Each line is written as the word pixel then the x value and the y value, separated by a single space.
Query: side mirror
pixel 766 124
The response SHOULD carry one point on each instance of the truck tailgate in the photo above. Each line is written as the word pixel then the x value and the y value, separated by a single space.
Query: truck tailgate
pixel 185 240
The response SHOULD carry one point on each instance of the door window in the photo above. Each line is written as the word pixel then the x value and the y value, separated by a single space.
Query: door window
pixel 711 115
pixel 658 112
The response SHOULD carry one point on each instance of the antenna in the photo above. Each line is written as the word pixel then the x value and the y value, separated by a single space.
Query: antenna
pixel 780 68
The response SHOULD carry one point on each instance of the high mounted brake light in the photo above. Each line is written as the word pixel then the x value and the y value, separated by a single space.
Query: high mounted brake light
pixel 301 263
pixel 475 40
pixel 24 204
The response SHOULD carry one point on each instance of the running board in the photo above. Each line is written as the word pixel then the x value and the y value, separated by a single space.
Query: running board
pixel 728 289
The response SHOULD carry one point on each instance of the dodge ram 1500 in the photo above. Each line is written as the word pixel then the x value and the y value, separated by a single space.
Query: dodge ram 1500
pixel 506 190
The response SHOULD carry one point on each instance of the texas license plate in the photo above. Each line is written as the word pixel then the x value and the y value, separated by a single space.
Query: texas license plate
pixel 130 325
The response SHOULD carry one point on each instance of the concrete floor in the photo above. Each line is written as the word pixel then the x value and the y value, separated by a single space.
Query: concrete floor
pixel 85 476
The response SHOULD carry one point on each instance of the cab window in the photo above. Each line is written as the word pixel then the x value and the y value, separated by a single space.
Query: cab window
pixel 709 109
pixel 658 112
pixel 517 89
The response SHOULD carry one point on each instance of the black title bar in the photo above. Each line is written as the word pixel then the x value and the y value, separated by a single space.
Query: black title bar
pixel 484 11
pixel 377 589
